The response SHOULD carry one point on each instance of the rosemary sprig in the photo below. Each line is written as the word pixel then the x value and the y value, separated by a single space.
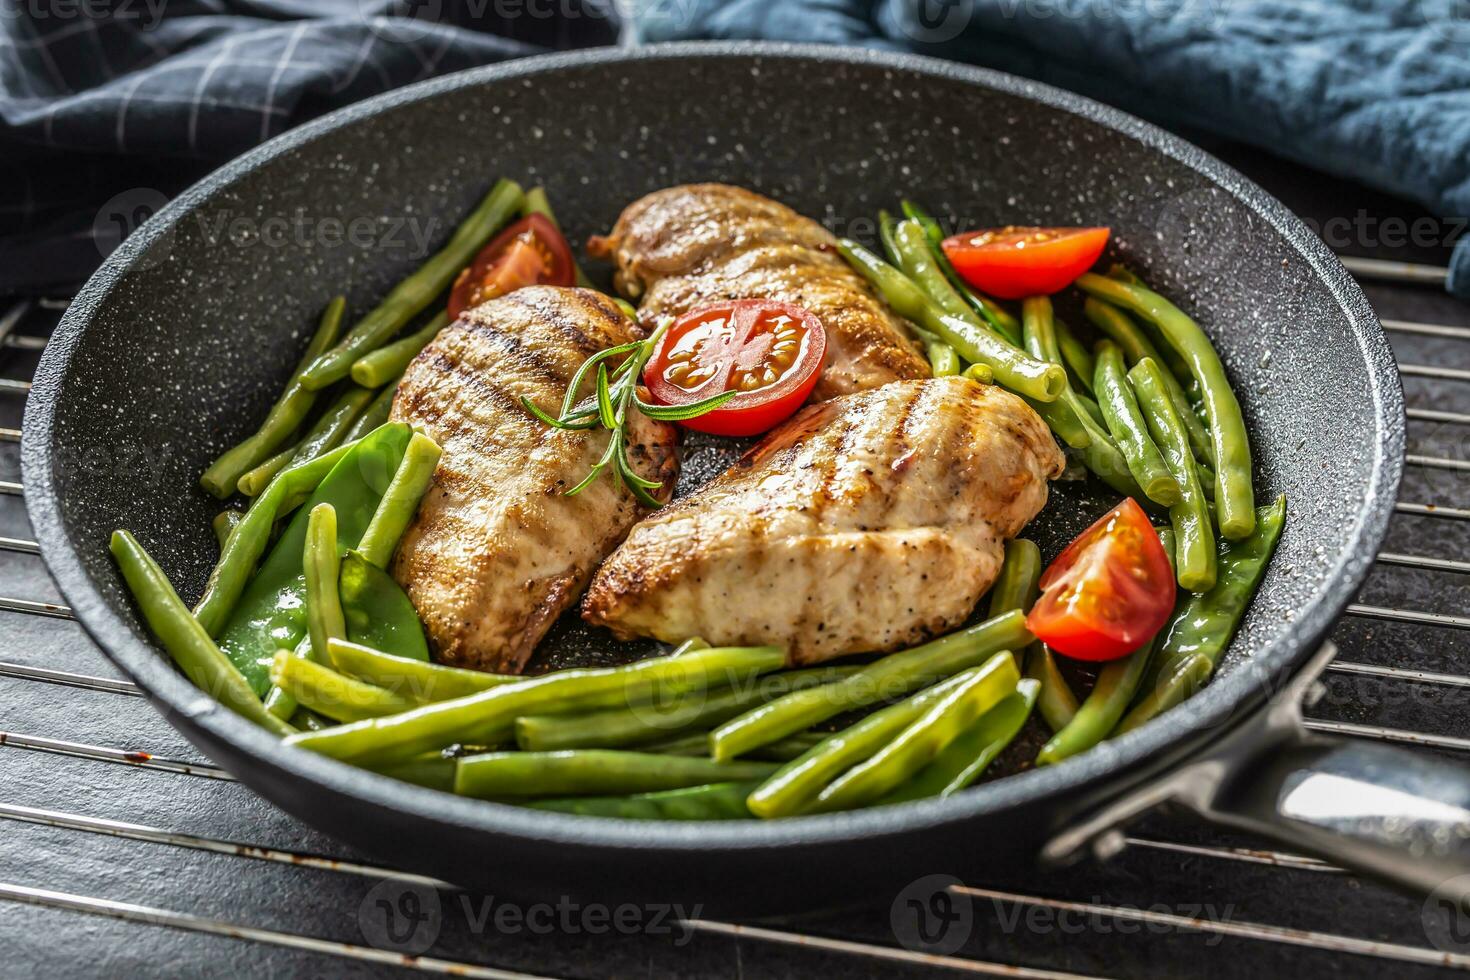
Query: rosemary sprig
pixel 608 407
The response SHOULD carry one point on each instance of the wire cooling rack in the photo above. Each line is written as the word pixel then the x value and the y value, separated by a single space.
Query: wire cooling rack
pixel 125 852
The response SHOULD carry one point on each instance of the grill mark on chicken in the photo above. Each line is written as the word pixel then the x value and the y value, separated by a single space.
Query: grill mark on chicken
pixel 817 542
pixel 686 247
pixel 497 551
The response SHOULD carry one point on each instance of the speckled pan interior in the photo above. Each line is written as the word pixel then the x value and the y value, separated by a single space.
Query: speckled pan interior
pixel 176 347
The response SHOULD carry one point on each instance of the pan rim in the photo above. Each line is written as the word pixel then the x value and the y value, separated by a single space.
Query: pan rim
pixel 1220 702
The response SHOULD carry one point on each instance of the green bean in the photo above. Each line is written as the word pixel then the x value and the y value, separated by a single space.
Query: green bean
pixel 1136 346
pixel 256 479
pixel 918 744
pixel 277 700
pixel 434 771
pixel 713 801
pixel 1100 455
pixel 1234 496
pixel 329 432
pixel 1056 702
pixel 1205 624
pixel 488 717
pixel 1062 419
pixel 1077 358
pixel 796 785
pixel 418 290
pixel 322 563
pixel 289 411
pixel 1016 586
pixel 377 368
pixel 888 677
pixel 1013 368
pixel 617 727
pixel 943 361
pixel 999 319
pixel 628 309
pixel 424 683
pixel 224 524
pixel 375 414
pixel 183 637
pixel 916 261
pixel 887 236
pixel 400 501
pixel 1190 517
pixel 1094 410
pixel 536 202
pixel 586 772
pixel 242 551
pixel 1176 684
pixel 1126 422
pixel 1099 714
pixel 329 693
pixel 697 743
pixel 967 757
pixel 1171 358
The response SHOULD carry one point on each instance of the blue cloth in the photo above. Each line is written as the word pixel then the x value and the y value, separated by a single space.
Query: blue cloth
pixel 107 107
pixel 1376 90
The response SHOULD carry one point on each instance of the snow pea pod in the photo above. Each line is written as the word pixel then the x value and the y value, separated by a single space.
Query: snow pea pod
pixel 271 613
pixel 714 801
pixel 377 611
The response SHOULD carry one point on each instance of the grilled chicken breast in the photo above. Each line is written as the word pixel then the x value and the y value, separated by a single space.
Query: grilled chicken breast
pixel 866 523
pixel 686 247
pixel 497 550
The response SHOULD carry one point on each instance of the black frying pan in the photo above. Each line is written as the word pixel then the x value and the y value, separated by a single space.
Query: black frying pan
pixel 177 345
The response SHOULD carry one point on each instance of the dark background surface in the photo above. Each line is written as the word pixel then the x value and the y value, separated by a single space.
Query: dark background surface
pixel 1284 914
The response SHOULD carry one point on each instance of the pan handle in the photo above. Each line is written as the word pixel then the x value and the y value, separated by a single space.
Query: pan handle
pixel 1396 815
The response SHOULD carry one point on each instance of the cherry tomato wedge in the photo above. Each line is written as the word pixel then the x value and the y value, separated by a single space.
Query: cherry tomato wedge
pixel 1014 261
pixel 769 353
pixel 1108 592
pixel 530 252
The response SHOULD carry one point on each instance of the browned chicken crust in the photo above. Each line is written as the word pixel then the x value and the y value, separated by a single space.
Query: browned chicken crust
pixel 497 550
pixel 867 523
pixel 685 247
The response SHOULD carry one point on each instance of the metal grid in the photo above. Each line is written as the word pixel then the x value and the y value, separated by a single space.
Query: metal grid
pixel 80 750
